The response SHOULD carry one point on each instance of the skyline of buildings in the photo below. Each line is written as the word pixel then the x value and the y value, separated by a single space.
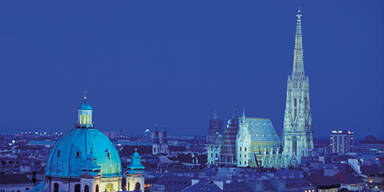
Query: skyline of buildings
pixel 244 153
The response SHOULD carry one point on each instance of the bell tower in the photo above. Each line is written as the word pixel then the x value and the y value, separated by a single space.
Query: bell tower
pixel 135 174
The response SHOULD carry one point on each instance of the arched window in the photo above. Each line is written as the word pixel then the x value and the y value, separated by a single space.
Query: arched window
pixel 86 188
pixel 56 187
pixel 109 187
pixel 97 188
pixel 77 188
pixel 137 187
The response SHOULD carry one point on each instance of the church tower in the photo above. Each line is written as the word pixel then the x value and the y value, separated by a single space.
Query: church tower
pixel 297 140
pixel 135 174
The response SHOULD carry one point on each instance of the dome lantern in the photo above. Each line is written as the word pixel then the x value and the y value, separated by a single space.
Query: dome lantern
pixel 85 115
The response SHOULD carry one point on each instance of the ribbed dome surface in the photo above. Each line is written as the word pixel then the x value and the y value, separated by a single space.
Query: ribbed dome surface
pixel 69 154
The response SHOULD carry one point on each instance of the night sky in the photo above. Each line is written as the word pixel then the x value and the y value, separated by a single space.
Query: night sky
pixel 172 63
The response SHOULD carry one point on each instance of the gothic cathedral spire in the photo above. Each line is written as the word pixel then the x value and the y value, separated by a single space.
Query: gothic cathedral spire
pixel 297 140
pixel 298 63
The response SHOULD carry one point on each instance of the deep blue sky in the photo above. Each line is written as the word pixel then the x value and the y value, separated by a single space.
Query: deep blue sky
pixel 172 63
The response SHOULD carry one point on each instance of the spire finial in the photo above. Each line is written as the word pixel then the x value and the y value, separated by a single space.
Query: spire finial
pixel 215 114
pixel 85 95
pixel 243 113
pixel 299 15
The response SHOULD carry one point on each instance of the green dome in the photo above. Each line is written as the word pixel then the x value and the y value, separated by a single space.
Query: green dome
pixel 71 154
pixel 85 106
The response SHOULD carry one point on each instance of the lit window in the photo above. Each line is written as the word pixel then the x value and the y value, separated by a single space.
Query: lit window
pixel 89 119
pixel 84 119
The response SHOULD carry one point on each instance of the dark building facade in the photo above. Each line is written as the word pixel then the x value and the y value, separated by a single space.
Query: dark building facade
pixel 214 140
pixel 215 128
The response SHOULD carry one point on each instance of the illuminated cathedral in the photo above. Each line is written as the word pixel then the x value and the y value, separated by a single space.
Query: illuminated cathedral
pixel 85 160
pixel 253 142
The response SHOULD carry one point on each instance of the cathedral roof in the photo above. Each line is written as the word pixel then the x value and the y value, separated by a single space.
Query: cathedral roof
pixel 72 153
pixel 262 130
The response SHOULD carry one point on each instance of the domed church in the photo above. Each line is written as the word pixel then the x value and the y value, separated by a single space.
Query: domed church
pixel 83 160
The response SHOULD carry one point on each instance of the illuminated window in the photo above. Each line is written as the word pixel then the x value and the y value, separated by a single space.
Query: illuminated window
pixel 80 119
pixel 109 187
pixel 370 181
pixel 84 119
pixel 89 119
